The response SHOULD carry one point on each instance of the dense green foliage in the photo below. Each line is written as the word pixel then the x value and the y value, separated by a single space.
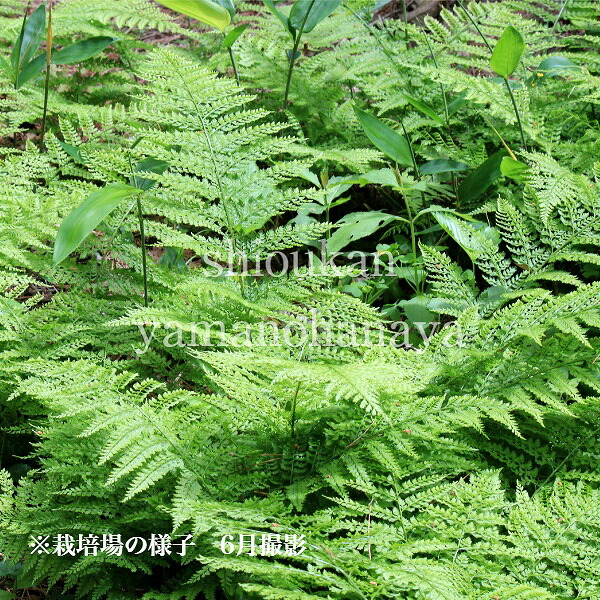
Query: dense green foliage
pixel 454 459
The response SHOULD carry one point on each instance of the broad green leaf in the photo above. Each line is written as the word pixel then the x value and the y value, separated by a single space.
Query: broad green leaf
pixel 377 176
pixel 515 169
pixel 234 34
pixel 477 182
pixel 72 151
pixel 457 103
pixel 29 39
pixel 417 309
pixel 282 18
pixel 310 176
pixel 514 85
pixel 228 5
pixel 392 144
pixel 556 63
pixel 442 165
pixel 172 259
pixel 31 70
pixel 507 52
pixel 210 13
pixel 553 66
pixel 356 226
pixel 80 51
pixel 492 296
pixel 148 165
pixel 4 595
pixel 10 569
pixel 471 237
pixel 314 11
pixel 87 216
pixel 424 108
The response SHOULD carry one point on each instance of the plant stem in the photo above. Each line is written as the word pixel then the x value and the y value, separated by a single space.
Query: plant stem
pixel 293 415
pixel 446 118
pixel 512 96
pixel 411 224
pixel 143 244
pixel 44 118
pixel 233 61
pixel 20 42
pixel 404 17
pixel 295 398
pixel 234 64
pixel 47 83
pixel 476 27
pixel 558 17
pixel 377 37
pixel 514 103
pixel 288 83
pixel 442 90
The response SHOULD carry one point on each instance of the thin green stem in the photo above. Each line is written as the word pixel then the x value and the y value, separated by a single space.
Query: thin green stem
pixel 295 398
pixel 234 64
pixel 442 90
pixel 299 33
pixel 411 224
pixel 560 12
pixel 45 116
pixel 47 82
pixel 293 414
pixel 377 37
pixel 512 96
pixel 21 41
pixel 405 19
pixel 288 82
pixel 446 118
pixel 143 244
pixel 476 27
pixel 514 103
pixel 140 212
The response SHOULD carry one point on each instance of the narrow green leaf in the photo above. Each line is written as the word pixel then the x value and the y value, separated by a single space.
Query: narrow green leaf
pixel 232 37
pixel 457 103
pixel 553 66
pixel 215 14
pixel 80 51
pixel 317 10
pixel 32 69
pixel 87 216
pixel 442 165
pixel 282 18
pixel 7 567
pixel 507 52
pixel 72 151
pixel 424 108
pixel 477 182
pixel 228 5
pixel 356 226
pixel 417 310
pixel 29 39
pixel 557 63
pixel 515 169
pixel 474 238
pixel 172 259
pixel 392 144
pixel 377 176
pixel 148 165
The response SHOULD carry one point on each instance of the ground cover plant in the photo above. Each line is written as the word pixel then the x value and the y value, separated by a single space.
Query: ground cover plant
pixel 299 300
